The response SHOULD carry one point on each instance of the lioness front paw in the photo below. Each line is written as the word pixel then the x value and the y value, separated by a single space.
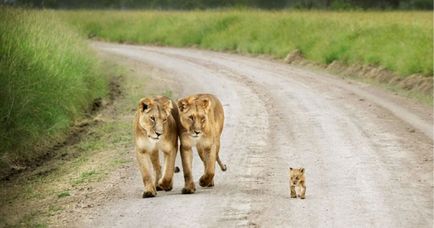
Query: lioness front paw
pixel 206 181
pixel 164 185
pixel 147 194
pixel 188 190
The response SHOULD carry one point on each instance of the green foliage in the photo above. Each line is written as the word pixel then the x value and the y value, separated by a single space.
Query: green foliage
pixel 48 77
pixel 205 4
pixel 398 41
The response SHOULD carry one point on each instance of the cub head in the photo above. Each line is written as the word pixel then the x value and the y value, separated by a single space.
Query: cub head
pixel 296 175
pixel 153 115
pixel 194 115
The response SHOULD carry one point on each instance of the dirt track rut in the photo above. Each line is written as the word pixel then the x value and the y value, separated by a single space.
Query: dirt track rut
pixel 367 153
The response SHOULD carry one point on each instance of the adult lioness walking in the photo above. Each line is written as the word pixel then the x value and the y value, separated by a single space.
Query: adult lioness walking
pixel 202 119
pixel 156 129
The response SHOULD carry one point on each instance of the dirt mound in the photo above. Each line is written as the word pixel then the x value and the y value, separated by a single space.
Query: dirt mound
pixel 294 56
pixel 415 82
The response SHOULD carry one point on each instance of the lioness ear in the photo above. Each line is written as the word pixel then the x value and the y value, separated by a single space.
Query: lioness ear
pixel 167 106
pixel 145 103
pixel 301 170
pixel 183 105
pixel 205 103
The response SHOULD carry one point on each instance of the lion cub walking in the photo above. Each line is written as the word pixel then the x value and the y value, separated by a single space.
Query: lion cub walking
pixel 297 179
pixel 156 129
pixel 201 118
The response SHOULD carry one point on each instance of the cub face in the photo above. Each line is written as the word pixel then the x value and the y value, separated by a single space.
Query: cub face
pixel 296 175
pixel 153 116
pixel 194 115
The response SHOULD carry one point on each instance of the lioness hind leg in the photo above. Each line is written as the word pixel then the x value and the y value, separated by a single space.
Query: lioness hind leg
pixel 155 159
pixel 166 182
pixel 145 166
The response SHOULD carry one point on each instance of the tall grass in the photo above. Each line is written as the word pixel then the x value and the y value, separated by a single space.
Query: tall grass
pixel 48 77
pixel 398 41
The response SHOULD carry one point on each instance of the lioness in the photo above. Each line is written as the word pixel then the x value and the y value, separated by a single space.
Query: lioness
pixel 202 120
pixel 156 129
pixel 297 179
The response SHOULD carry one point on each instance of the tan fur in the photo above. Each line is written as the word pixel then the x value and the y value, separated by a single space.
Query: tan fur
pixel 297 179
pixel 202 119
pixel 156 129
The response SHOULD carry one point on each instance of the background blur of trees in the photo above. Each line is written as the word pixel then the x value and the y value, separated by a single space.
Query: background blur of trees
pixel 205 4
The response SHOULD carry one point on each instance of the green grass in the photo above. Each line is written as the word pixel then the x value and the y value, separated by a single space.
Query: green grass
pixel 63 194
pixel 86 177
pixel 398 41
pixel 48 78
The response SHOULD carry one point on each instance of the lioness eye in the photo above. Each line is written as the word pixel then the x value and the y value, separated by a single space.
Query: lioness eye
pixel 165 120
pixel 152 118
pixel 190 117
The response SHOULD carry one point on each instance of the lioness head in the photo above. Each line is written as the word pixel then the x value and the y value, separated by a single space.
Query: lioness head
pixel 296 175
pixel 194 115
pixel 153 114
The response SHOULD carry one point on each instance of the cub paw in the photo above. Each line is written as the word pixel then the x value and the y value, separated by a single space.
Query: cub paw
pixel 302 197
pixel 147 194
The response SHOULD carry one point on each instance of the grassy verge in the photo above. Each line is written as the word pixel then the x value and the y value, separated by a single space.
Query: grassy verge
pixel 82 174
pixel 399 41
pixel 48 78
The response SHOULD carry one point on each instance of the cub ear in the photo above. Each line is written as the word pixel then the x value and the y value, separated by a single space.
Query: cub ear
pixel 205 103
pixel 145 104
pixel 183 104
pixel 301 170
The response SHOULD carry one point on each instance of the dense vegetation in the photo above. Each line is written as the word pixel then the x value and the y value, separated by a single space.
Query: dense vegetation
pixel 398 41
pixel 48 77
pixel 202 4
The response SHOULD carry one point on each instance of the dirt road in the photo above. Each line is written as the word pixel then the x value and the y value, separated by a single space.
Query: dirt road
pixel 367 153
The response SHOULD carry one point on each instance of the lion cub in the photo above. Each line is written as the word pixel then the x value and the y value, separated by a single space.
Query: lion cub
pixel 297 179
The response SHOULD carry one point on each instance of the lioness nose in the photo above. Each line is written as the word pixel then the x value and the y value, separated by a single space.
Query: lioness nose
pixel 197 132
pixel 158 133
